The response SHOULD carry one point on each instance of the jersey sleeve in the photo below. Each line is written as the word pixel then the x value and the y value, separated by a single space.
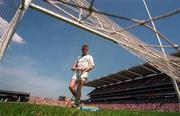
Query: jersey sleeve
pixel 91 60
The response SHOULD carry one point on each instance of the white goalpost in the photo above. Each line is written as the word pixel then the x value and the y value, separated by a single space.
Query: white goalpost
pixel 14 15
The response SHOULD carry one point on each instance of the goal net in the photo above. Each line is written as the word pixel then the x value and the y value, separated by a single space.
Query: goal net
pixel 82 14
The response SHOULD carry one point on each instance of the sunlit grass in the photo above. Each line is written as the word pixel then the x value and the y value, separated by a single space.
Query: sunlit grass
pixel 25 109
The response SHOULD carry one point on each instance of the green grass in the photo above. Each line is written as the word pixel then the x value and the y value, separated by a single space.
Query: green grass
pixel 25 109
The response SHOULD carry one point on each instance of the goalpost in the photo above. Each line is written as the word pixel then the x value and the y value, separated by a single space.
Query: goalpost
pixel 11 13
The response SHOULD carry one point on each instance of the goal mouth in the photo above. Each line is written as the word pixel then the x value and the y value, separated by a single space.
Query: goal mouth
pixel 82 14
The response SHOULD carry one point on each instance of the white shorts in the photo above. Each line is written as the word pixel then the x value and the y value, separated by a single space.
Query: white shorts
pixel 80 76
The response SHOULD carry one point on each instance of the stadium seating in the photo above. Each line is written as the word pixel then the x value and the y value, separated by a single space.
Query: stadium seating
pixel 140 87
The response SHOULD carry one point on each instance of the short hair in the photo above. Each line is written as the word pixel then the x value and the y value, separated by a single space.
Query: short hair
pixel 85 45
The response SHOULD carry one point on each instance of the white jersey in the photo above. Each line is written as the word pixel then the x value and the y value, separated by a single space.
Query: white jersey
pixel 84 61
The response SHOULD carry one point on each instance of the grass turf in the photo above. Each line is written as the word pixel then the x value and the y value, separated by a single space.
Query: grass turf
pixel 25 109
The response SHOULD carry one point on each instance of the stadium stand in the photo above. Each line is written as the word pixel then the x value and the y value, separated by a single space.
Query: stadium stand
pixel 14 96
pixel 46 101
pixel 141 86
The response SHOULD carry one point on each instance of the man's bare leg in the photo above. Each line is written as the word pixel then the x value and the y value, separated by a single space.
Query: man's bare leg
pixel 72 86
pixel 79 87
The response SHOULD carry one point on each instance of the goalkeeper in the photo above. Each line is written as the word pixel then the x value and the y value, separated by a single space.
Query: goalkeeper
pixel 81 67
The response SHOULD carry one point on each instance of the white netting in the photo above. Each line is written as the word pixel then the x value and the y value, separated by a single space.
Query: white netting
pixel 82 12
pixel 8 9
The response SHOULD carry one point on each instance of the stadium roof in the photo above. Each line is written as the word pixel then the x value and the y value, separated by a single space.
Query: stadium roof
pixel 133 73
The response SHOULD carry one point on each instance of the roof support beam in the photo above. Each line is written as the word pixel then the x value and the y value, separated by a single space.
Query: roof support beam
pixel 135 73
pixel 123 76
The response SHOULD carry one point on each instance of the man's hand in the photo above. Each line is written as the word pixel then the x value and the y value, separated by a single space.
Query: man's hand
pixel 89 68
pixel 73 67
pixel 80 69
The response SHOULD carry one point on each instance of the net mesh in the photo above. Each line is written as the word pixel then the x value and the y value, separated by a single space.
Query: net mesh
pixel 8 9
pixel 82 12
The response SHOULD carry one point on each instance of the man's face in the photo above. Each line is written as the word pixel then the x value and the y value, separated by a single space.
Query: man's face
pixel 84 50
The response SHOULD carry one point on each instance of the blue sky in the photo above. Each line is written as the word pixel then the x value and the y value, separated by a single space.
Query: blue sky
pixel 39 58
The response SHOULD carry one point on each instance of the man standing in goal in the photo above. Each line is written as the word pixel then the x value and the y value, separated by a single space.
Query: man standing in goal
pixel 81 67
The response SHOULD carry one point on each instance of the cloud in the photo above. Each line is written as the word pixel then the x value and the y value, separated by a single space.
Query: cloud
pixel 35 83
pixel 24 74
pixel 16 38
pixel 1 2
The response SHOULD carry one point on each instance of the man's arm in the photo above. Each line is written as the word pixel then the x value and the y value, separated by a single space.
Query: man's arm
pixel 74 66
pixel 90 65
